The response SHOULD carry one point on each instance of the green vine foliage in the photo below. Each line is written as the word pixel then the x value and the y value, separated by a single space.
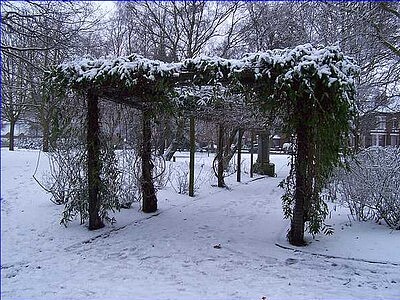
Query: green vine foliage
pixel 76 200
pixel 68 159
pixel 327 112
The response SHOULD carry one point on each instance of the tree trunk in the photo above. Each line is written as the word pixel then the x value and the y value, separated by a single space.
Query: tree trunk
pixel 229 151
pixel 220 159
pixel 356 132
pixel 177 141
pixel 12 132
pixel 46 137
pixel 160 143
pixel 239 157
pixel 191 162
pixel 94 163
pixel 148 191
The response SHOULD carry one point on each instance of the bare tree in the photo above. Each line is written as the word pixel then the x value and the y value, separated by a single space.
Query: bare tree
pixel 172 31
pixel 13 94
pixel 271 25
pixel 370 33
pixel 38 35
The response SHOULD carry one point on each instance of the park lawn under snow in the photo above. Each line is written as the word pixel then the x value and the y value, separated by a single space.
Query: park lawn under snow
pixel 222 244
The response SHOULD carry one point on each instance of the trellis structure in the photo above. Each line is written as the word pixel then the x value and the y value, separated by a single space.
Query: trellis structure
pixel 313 88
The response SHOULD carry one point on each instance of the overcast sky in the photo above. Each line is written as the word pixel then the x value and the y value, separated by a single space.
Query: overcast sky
pixel 107 6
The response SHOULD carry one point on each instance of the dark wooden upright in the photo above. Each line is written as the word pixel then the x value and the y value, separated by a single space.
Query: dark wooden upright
pixel 192 151
pixel 94 164
pixel 252 154
pixel 220 151
pixel 239 157
pixel 303 178
pixel 149 203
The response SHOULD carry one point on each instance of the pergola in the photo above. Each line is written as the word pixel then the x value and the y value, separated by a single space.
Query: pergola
pixel 312 87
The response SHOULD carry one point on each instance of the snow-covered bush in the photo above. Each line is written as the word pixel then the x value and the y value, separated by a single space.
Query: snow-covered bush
pixel 69 184
pixel 370 186
pixel 161 173
pixel 131 170
pixel 29 143
pixel 179 177
pixel 129 191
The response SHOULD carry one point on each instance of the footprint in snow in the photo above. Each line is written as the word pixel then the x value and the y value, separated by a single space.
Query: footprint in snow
pixel 291 261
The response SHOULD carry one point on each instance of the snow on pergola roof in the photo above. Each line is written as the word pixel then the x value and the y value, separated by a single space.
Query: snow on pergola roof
pixel 134 79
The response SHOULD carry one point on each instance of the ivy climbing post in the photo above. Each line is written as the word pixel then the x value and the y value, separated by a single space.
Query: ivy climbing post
pixel 303 189
pixel 191 162
pixel 220 158
pixel 239 157
pixel 252 154
pixel 149 198
pixel 94 163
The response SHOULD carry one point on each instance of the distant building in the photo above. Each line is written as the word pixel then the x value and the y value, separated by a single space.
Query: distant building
pixel 381 129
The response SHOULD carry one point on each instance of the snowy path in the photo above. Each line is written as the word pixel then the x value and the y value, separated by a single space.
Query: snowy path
pixel 221 245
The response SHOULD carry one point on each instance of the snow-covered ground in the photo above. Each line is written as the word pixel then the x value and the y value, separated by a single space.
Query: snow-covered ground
pixel 222 244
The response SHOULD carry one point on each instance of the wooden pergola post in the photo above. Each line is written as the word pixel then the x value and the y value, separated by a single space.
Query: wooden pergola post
pixel 191 161
pixel 239 157
pixel 252 154
pixel 94 163
pixel 220 160
pixel 149 201
pixel 304 162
